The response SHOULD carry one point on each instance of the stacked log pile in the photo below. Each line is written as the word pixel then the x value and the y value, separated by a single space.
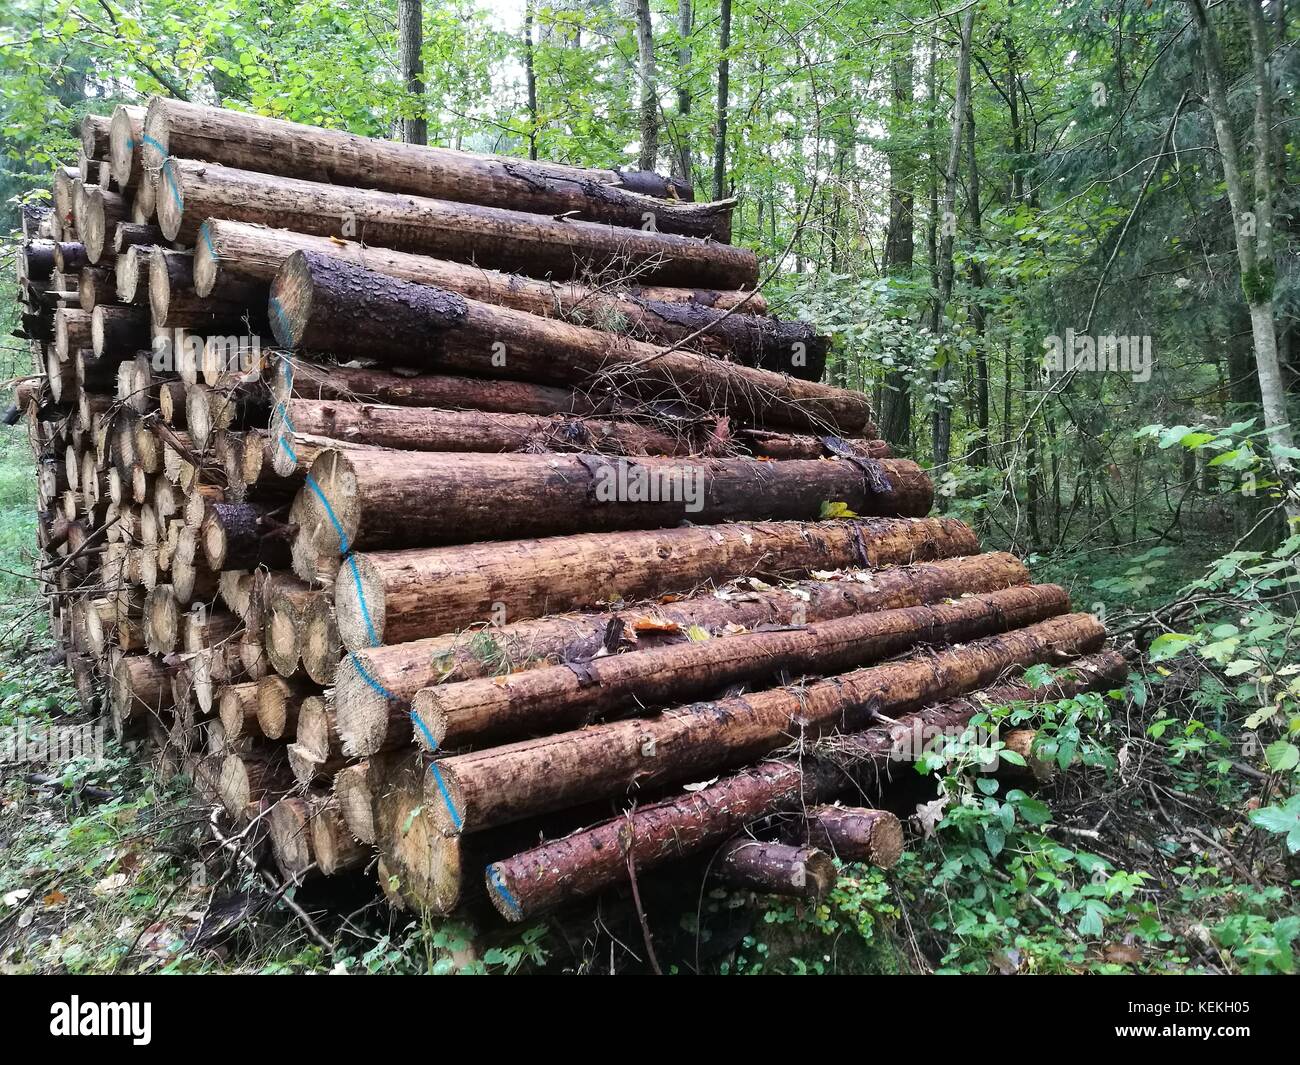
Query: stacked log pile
pixel 455 516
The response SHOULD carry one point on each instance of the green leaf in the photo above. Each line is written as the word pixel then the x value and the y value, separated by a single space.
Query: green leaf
pixel 1168 645
pixel 1282 756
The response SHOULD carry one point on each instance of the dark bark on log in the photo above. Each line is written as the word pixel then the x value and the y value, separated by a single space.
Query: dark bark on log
pixel 326 304
pixel 540 245
pixel 774 868
pixel 398 596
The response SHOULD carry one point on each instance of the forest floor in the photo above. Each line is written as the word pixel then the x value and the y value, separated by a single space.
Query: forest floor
pixel 1139 858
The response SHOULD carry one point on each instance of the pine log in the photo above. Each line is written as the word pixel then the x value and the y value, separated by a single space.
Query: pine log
pixel 98 213
pixel 541 701
pixel 96 285
pixel 326 304
pixel 290 825
pixel 321 649
pixel 278 703
pixel 117 330
pixel 135 234
pixel 190 192
pixel 94 136
pixel 253 775
pixel 237 710
pixel 430 429
pixel 591 860
pixel 774 868
pixel 398 596
pixel 352 793
pixel 288 149
pixel 126 145
pixel 235 308
pixel 393 499
pixel 283 619
pixel 335 848
pixel 721 323
pixel 307 380
pixel 141 686
pixel 243 536
pixel 471 792
pixel 239 251
pixel 855 834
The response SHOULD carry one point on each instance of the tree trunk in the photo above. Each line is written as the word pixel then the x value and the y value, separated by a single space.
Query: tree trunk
pixel 896 405
pixel 288 149
pixel 400 670
pixel 397 596
pixel 410 42
pixel 539 702
pixel 682 158
pixel 393 499
pixel 647 83
pixel 774 868
pixel 326 304
pixel 1253 223
pixel 471 792
pixel 942 420
pixel 724 89
pixel 589 861
pixel 431 429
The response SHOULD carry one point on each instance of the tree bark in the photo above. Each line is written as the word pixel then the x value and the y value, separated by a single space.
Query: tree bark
pixel 581 864
pixel 400 670
pixel 398 596
pixel 327 304
pixel 648 87
pixel 724 91
pixel 394 499
pixel 539 702
pixel 471 792
pixel 410 42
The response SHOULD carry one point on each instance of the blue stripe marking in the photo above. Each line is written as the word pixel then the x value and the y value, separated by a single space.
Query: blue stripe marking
pixel 176 193
pixel 356 664
pixel 207 239
pixel 146 139
pixel 329 511
pixel 285 324
pixel 361 599
pixel 284 443
pixel 499 886
pixel 433 768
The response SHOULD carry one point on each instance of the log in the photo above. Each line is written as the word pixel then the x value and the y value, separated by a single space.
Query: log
pixel 130 270
pixel 98 213
pixel 472 792
pixel 237 710
pixel 352 793
pixel 593 859
pixel 278 703
pixel 94 136
pixel 96 285
pixel 541 701
pixel 140 686
pixel 282 616
pixel 430 429
pixel 120 331
pixel 249 252
pixel 326 304
pixel 334 846
pixel 855 834
pixel 444 391
pixel 290 825
pixel 398 596
pixel 251 776
pixel 721 323
pixel 135 234
pixel 72 332
pixel 774 868
pixel 317 730
pixel 393 499
pixel 126 145
pixel 287 149
pixel 243 536
pixel 321 649
pixel 237 308
pixel 190 192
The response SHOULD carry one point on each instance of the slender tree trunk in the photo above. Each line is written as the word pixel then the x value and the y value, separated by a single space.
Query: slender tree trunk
pixel 724 74
pixel 942 421
pixel 530 78
pixel 649 97
pixel 410 41
pixel 685 27
pixel 896 397
pixel 979 454
pixel 1253 222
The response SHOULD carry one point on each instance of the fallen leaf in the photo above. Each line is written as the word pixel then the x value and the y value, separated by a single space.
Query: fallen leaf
pixel 54 898
pixel 701 785
pixel 16 896
pixel 110 884
pixel 647 624
pixel 1122 954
